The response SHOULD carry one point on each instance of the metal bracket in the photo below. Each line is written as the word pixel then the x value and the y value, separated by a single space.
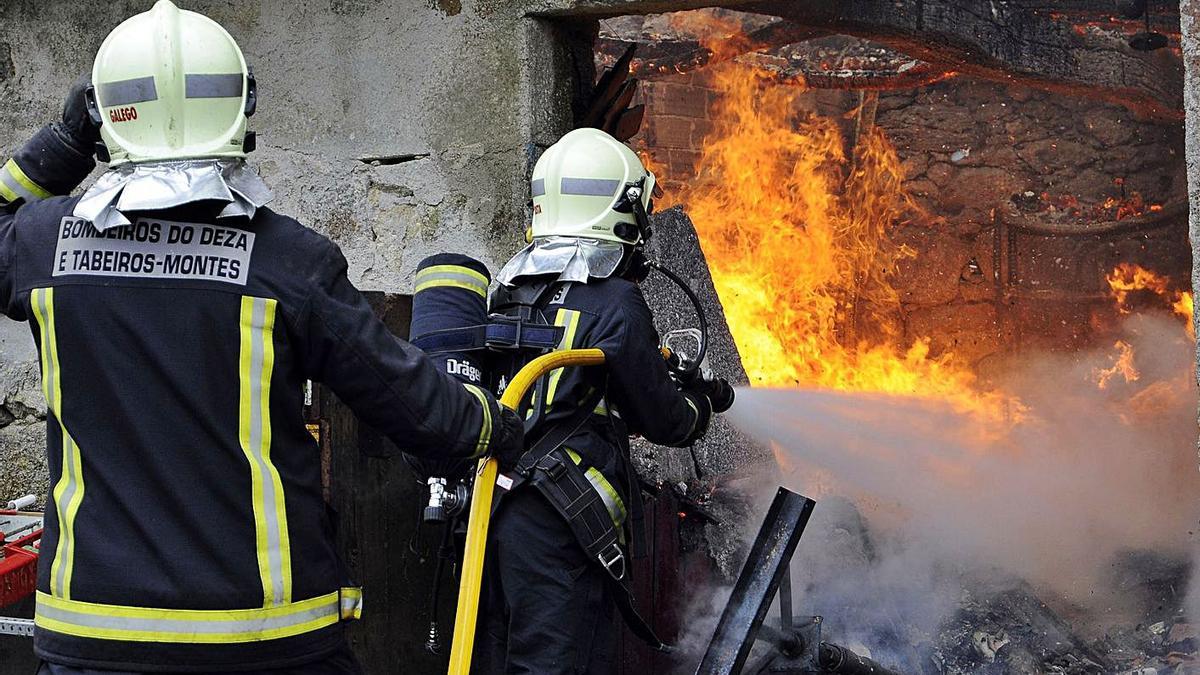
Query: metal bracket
pixel 14 626
pixel 805 656
pixel 765 570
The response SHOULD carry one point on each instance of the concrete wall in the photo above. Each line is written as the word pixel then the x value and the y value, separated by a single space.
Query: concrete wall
pixel 1189 24
pixel 458 93
pixel 399 129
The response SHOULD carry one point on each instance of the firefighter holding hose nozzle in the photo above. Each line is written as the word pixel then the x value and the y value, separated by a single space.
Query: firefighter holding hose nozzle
pixel 554 570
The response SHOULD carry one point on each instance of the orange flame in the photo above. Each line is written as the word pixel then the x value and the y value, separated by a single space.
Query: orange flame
pixel 1128 278
pixel 1122 365
pixel 796 234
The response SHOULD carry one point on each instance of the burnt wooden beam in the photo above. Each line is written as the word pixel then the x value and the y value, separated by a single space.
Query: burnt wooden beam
pixel 657 58
pixel 1032 43
pixel 920 75
pixel 602 9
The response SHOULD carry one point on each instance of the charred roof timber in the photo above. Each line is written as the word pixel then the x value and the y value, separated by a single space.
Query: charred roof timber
pixel 1078 47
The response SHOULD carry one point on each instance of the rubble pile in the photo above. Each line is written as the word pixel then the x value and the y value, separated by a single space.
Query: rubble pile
pixel 973 621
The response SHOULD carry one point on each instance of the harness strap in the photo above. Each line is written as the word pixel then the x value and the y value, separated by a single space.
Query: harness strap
pixel 499 333
pixel 505 333
pixel 559 433
pixel 566 486
pixel 464 339
pixel 623 596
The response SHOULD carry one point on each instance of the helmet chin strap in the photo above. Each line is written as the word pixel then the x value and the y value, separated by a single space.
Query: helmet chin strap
pixel 636 266
pixel 632 199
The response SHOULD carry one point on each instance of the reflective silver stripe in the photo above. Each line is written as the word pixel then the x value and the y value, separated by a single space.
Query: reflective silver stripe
pixel 608 495
pixel 485 426
pixel 256 442
pixel 127 92
pixel 68 491
pixel 256 362
pixel 695 420
pixel 9 180
pixel 214 86
pixel 592 187
pixel 539 187
pixel 350 603
pixel 422 280
pixel 453 276
pixel 66 553
pixel 226 626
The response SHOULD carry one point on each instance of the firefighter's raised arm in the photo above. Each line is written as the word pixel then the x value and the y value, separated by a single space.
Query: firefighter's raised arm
pixel 392 385
pixel 52 163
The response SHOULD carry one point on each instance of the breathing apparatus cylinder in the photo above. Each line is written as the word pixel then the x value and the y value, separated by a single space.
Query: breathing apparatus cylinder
pixel 451 295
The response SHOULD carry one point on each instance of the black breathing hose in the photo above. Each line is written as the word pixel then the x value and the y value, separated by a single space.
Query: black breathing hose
pixel 689 370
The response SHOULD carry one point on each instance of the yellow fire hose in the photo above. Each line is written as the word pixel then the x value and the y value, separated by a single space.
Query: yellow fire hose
pixel 481 506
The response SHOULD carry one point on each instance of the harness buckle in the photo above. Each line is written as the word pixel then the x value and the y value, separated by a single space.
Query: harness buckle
pixel 552 466
pixel 615 557
pixel 502 345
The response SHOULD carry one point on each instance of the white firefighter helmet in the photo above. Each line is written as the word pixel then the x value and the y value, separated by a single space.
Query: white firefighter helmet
pixel 171 84
pixel 582 188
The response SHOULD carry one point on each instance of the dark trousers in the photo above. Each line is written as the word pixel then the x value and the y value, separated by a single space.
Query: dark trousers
pixel 544 607
pixel 341 662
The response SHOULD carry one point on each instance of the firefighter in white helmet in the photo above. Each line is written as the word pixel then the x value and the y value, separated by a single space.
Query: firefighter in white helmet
pixel 177 318
pixel 555 571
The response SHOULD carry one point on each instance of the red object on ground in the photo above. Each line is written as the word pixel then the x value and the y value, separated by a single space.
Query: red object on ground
pixel 18 567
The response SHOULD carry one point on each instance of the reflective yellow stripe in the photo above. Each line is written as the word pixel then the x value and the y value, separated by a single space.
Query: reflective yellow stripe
pixel 144 624
pixel 434 270
pixel 7 193
pixel 454 276
pixel 485 429
pixel 695 419
pixel 68 491
pixel 14 178
pixel 256 363
pixel 570 319
pixel 350 603
pixel 435 283
pixel 608 494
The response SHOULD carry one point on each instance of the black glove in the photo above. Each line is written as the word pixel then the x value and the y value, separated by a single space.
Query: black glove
pixel 703 415
pixel 76 128
pixel 719 392
pixel 508 438
pixel 716 389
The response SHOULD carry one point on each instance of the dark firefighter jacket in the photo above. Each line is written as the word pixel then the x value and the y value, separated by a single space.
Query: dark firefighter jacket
pixel 639 396
pixel 186 527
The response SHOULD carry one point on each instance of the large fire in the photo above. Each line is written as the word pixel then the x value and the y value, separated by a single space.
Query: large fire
pixel 796 233
pixel 796 229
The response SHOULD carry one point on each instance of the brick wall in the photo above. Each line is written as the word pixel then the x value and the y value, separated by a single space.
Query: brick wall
pixel 970 150
pixel 678 117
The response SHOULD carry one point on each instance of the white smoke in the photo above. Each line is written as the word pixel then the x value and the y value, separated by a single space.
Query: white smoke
pixel 1090 473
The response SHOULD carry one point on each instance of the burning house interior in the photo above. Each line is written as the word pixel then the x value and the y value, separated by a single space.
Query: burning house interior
pixel 944 253
pixel 960 294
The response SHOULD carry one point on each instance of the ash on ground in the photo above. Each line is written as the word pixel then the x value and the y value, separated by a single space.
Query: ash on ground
pixel 955 622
